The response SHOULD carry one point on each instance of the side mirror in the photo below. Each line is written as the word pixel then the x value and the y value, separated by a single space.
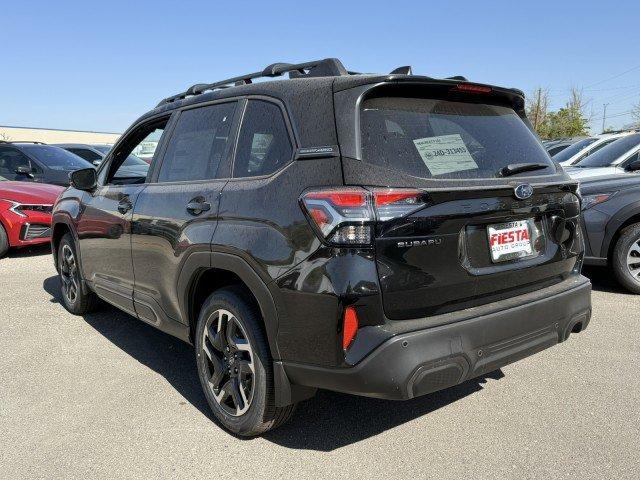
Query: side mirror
pixel 96 162
pixel 25 170
pixel 633 166
pixel 85 179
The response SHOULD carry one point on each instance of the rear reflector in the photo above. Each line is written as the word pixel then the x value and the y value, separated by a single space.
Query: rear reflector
pixel 349 327
pixel 346 215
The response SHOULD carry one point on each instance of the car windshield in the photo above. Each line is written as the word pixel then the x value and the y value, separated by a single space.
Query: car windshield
pixel 569 152
pixel 441 139
pixel 102 148
pixel 609 154
pixel 55 158
pixel 131 160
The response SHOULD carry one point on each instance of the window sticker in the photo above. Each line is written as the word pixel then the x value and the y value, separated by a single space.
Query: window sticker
pixel 445 154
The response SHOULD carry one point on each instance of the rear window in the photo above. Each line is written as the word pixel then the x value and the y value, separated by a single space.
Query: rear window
pixel 441 139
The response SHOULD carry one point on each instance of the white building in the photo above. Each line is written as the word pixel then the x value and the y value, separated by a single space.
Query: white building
pixel 49 135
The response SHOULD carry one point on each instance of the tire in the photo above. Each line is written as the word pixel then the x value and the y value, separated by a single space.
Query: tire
pixel 4 242
pixel 74 298
pixel 627 248
pixel 229 322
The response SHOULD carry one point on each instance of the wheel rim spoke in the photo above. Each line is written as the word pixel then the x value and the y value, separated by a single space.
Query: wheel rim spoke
pixel 69 274
pixel 633 259
pixel 229 362
pixel 237 396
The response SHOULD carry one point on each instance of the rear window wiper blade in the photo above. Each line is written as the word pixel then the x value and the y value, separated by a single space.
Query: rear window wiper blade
pixel 514 168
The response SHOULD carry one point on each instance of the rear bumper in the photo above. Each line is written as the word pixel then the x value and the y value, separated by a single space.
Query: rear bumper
pixel 420 362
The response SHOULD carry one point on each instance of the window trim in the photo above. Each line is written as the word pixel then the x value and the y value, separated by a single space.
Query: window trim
pixel 108 158
pixel 237 117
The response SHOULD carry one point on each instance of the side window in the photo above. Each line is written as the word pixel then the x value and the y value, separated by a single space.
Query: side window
pixel 198 144
pixel 603 144
pixel 633 158
pixel 126 169
pixel 264 144
pixel 86 154
pixel 11 159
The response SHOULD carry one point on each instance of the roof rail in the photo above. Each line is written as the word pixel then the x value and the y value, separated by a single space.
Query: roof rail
pixel 318 68
pixel 22 141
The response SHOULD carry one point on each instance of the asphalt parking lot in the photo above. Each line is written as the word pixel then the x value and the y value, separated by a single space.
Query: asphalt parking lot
pixel 106 396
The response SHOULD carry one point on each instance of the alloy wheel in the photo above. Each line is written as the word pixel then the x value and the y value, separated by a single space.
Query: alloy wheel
pixel 633 260
pixel 229 362
pixel 69 274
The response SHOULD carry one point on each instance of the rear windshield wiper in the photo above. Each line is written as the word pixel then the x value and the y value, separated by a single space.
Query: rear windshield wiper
pixel 514 168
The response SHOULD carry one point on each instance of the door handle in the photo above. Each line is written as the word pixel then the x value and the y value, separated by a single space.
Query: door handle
pixel 197 206
pixel 124 206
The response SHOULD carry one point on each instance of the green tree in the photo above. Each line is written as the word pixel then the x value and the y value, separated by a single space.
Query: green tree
pixel 569 121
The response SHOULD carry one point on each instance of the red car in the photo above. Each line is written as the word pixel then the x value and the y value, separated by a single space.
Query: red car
pixel 25 213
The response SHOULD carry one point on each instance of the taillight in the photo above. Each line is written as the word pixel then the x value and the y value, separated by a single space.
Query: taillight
pixel 349 327
pixel 346 215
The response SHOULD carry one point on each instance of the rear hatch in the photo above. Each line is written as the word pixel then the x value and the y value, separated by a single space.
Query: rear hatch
pixel 494 217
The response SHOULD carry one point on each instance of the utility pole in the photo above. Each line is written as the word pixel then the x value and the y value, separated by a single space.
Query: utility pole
pixel 604 115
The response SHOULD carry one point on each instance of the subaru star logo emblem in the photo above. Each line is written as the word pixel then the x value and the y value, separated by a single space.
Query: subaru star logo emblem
pixel 523 191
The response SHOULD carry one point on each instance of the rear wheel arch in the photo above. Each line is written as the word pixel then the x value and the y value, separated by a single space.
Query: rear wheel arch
pixel 614 229
pixel 205 272
pixel 57 232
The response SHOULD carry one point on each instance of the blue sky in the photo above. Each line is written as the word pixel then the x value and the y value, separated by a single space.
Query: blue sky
pixel 99 65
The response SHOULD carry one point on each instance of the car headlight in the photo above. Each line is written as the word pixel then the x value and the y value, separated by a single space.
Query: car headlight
pixel 589 201
pixel 20 208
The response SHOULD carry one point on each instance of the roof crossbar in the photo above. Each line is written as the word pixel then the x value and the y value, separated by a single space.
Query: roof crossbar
pixel 317 68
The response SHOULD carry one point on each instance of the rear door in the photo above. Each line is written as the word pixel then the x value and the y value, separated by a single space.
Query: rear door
pixel 480 236
pixel 177 213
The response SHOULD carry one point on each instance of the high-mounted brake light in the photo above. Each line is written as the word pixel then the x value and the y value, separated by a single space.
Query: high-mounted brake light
pixel 470 88
pixel 349 327
pixel 345 216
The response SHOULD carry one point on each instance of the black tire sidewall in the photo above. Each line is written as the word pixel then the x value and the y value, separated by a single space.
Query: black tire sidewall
pixel 232 300
pixel 619 262
pixel 4 241
pixel 74 307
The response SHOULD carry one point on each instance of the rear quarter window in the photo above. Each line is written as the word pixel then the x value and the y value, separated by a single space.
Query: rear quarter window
pixel 441 139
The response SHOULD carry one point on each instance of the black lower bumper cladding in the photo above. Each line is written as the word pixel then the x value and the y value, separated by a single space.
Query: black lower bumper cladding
pixel 424 361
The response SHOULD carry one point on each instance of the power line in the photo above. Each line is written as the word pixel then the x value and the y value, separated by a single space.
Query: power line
pixel 613 116
pixel 614 77
pixel 611 88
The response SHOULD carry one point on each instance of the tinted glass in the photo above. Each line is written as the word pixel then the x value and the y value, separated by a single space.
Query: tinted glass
pixel 55 158
pixel 88 155
pixel 10 159
pixel 569 152
pixel 554 150
pixel 102 148
pixel 263 145
pixel 610 153
pixel 441 139
pixel 198 144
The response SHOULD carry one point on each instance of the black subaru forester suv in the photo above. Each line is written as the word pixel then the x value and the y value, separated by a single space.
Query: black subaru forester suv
pixel 380 235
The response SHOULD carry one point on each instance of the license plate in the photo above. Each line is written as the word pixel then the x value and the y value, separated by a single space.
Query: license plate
pixel 510 241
